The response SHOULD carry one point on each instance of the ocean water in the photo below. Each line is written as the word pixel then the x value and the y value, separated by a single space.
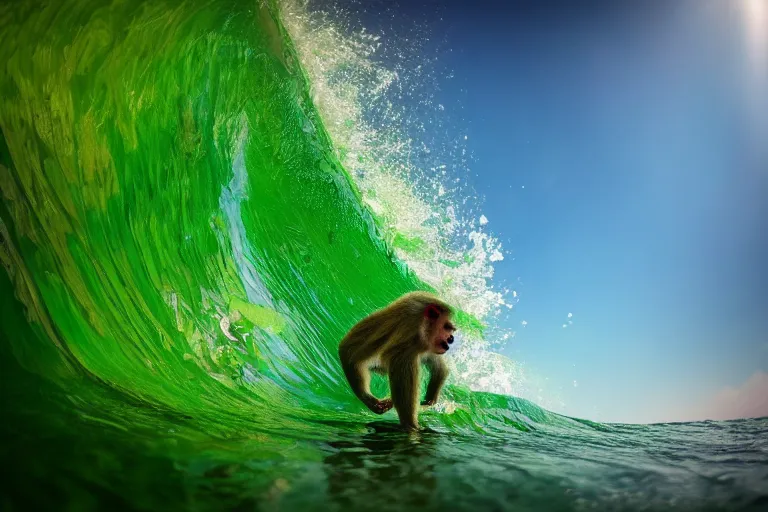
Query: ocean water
pixel 199 198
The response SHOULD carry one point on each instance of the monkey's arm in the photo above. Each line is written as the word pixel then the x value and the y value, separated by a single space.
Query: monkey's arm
pixel 359 379
pixel 438 372
pixel 404 385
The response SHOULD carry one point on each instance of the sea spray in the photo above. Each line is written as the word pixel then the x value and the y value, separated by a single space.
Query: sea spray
pixel 419 203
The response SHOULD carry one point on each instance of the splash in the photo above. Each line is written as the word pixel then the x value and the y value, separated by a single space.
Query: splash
pixel 414 191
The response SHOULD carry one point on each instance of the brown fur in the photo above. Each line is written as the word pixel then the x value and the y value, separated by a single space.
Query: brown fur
pixel 395 339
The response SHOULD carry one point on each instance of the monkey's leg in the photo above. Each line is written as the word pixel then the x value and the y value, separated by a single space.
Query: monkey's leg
pixel 438 372
pixel 404 385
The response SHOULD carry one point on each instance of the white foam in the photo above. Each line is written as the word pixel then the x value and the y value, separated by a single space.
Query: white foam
pixel 428 204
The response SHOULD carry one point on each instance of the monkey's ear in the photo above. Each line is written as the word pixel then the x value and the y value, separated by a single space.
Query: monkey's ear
pixel 431 312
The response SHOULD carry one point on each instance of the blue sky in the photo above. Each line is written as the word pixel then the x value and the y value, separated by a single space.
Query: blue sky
pixel 622 156
pixel 617 152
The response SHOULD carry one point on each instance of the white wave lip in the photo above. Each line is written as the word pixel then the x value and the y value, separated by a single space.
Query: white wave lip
pixel 453 253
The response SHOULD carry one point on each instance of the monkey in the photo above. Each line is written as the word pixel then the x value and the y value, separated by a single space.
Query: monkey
pixel 415 329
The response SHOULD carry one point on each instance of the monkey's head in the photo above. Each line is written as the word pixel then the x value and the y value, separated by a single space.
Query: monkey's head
pixel 439 328
pixel 417 312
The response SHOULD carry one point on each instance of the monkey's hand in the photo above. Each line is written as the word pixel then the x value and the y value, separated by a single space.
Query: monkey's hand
pixel 428 403
pixel 380 406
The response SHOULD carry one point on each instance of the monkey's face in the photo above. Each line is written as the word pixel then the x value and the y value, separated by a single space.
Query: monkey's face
pixel 441 334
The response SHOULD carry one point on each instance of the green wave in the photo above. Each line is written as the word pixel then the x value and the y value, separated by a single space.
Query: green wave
pixel 178 232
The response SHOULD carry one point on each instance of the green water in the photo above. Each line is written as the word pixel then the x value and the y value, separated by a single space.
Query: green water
pixel 183 250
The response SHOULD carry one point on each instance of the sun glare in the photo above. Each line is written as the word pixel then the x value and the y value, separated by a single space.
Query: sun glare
pixel 756 21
